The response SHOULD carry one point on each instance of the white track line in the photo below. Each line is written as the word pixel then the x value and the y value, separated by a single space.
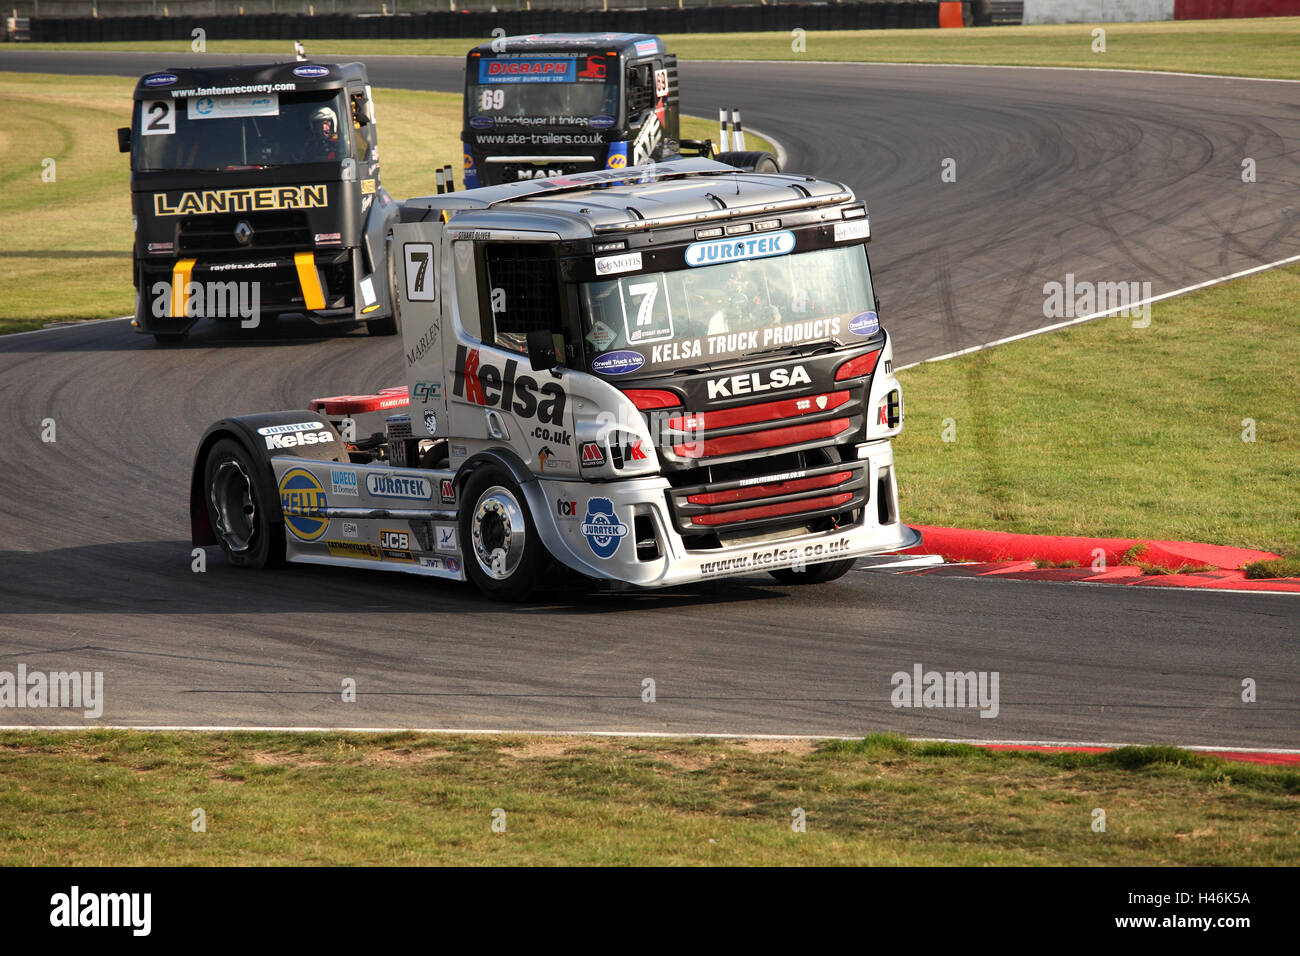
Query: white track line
pixel 339 58
pixel 1109 312
pixel 65 325
pixel 1005 66
pixel 781 154
pixel 658 735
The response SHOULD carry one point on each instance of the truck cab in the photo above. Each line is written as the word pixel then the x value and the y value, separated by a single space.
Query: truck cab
pixel 548 105
pixel 650 377
pixel 256 192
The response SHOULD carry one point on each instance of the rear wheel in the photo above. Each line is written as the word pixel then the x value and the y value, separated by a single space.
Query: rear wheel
pixel 753 160
pixel 242 507
pixel 503 555
pixel 389 324
pixel 815 573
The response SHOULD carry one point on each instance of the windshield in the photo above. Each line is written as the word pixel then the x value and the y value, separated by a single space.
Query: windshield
pixel 231 132
pixel 552 90
pixel 722 312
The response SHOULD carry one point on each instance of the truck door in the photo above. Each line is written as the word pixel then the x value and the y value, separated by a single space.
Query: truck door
pixel 507 285
pixel 423 273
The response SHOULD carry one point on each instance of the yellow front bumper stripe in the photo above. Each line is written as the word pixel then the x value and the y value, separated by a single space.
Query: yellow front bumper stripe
pixel 181 273
pixel 312 294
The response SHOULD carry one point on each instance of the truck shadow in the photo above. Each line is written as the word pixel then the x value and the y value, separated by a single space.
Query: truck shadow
pixel 115 335
pixel 160 577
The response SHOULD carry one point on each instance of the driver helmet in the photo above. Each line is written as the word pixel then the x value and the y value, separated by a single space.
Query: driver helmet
pixel 322 116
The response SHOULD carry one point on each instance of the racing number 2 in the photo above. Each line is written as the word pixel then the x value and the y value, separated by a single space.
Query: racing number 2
pixel 421 277
pixel 158 118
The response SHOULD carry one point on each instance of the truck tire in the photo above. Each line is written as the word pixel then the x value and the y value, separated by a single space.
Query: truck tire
pixel 388 324
pixel 503 554
pixel 243 509
pixel 815 573
pixel 753 161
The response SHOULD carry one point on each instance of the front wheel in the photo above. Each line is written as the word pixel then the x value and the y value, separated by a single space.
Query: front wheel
pixel 815 573
pixel 503 554
pixel 242 507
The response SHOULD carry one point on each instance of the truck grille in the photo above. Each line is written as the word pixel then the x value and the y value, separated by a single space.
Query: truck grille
pixel 285 230
pixel 795 492
pixel 725 434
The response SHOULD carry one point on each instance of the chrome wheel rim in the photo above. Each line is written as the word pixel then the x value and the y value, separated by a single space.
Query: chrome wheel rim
pixel 231 495
pixel 498 530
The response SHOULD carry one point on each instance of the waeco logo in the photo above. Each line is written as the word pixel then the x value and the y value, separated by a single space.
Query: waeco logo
pixel 732 250
pixel 754 382
pixel 302 499
pixel 487 385
pixel 400 486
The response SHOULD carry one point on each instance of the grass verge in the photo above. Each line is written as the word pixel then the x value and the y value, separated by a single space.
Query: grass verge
pixel 65 241
pixel 1284 567
pixel 127 798
pixel 1185 430
pixel 1250 47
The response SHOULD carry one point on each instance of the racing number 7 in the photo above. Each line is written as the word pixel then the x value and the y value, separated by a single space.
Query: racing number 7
pixel 420 285
pixel 649 291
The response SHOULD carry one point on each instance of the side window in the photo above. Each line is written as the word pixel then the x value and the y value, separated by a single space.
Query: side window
pixel 640 89
pixel 522 292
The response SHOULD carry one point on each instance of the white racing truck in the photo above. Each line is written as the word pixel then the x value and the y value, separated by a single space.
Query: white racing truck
pixel 650 376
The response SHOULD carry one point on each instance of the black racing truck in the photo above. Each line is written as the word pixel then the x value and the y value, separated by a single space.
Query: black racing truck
pixel 256 193
pixel 558 103
pixel 609 373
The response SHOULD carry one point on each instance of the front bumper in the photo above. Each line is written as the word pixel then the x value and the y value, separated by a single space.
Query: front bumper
pixel 318 285
pixel 604 531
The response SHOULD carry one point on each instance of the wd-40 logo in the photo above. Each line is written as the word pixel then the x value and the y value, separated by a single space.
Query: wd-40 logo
pixel 752 382
pixel 301 495
pixel 603 530
pixel 399 486
pixel 487 385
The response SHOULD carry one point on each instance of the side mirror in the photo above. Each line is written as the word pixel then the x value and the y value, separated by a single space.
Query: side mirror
pixel 541 350
pixel 360 109
pixel 124 139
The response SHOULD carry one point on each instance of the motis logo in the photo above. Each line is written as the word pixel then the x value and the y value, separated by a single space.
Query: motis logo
pixel 301 493
pixel 602 528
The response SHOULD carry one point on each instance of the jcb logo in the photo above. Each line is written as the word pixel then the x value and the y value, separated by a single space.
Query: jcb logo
pixel 396 540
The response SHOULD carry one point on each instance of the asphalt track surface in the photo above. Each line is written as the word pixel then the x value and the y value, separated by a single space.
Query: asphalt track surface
pixel 1109 176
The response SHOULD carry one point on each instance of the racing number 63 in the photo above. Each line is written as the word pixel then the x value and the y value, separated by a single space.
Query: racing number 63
pixel 420 283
